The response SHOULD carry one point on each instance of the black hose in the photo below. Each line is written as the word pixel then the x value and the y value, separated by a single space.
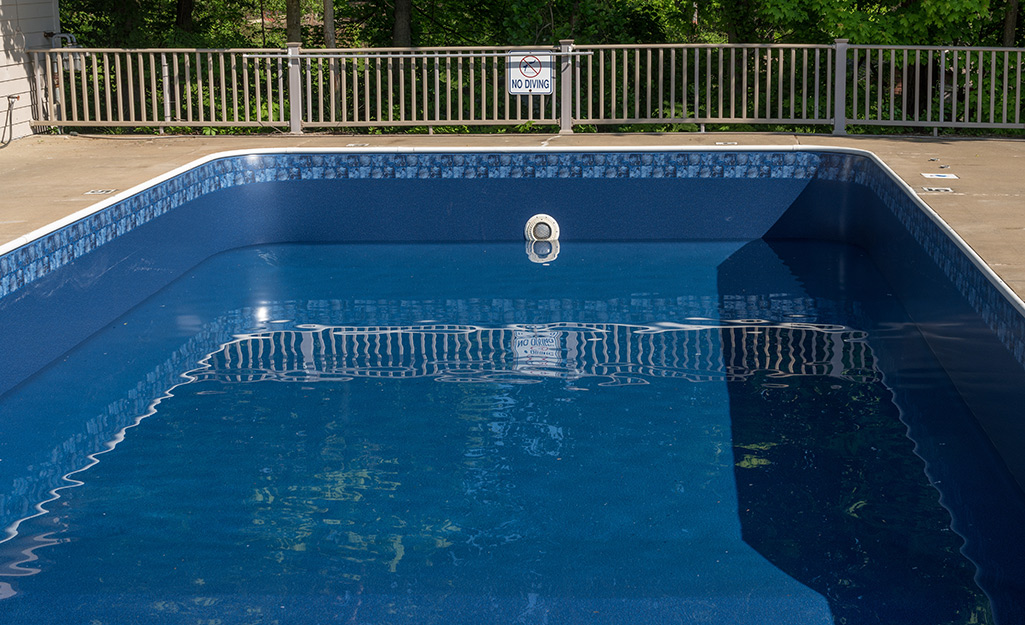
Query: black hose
pixel 9 123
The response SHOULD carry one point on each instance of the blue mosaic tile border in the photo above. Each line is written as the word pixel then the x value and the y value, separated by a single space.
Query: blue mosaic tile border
pixel 30 262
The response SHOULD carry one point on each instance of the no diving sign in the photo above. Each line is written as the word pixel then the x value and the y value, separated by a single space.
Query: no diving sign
pixel 530 73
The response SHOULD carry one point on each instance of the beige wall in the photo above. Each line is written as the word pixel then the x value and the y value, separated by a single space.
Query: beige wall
pixel 22 24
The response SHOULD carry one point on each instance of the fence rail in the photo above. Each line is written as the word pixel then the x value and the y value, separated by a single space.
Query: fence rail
pixel 704 84
pixel 159 87
pixel 933 86
pixel 837 85
pixel 396 87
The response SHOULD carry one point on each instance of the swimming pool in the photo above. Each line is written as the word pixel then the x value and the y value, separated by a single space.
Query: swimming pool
pixel 723 285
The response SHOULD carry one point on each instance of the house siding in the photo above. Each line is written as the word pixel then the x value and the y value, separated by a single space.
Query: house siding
pixel 22 24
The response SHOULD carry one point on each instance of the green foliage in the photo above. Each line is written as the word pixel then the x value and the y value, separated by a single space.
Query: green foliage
pixel 876 22
pixel 602 21
pixel 151 23
pixel 245 23
pixel 516 22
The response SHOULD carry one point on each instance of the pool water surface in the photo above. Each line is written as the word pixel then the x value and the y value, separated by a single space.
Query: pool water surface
pixel 723 431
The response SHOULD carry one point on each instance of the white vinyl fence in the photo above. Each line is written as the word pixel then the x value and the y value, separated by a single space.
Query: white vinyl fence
pixel 833 85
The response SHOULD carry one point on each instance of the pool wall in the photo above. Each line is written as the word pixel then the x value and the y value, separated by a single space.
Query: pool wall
pixel 60 286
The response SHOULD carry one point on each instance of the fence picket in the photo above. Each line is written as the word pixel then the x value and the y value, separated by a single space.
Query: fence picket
pixel 907 86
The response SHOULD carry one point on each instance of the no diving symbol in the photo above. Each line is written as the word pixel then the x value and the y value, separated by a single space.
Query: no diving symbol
pixel 530 73
pixel 530 66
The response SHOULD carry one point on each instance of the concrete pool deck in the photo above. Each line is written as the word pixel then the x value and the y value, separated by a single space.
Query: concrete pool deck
pixel 44 178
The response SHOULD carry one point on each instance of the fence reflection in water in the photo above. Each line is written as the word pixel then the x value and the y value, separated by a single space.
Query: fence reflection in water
pixel 618 354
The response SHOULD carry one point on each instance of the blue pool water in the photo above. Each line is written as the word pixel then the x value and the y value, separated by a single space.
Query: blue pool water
pixel 451 433
pixel 212 420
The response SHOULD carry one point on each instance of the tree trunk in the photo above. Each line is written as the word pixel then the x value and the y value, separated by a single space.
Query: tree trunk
pixel 293 21
pixel 183 15
pixel 1010 23
pixel 127 16
pixel 402 32
pixel 329 24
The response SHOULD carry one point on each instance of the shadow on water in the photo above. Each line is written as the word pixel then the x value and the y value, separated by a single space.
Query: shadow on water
pixel 883 494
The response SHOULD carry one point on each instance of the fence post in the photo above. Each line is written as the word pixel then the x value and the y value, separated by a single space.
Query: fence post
pixel 165 76
pixel 840 88
pixel 295 90
pixel 566 87
pixel 38 101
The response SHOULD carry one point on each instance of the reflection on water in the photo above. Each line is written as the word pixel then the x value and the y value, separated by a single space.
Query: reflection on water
pixel 421 495
pixel 564 459
pixel 619 354
pixel 528 459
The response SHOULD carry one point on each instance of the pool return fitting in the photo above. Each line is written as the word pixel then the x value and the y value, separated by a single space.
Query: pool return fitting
pixel 542 235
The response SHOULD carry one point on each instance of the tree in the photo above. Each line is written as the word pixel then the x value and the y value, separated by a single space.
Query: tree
pixel 402 28
pixel 236 23
pixel 1010 23
pixel 545 22
pixel 293 21
pixel 886 22
pixel 183 19
pixel 329 24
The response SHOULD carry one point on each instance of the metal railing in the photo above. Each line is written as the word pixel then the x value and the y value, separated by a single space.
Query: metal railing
pixel 835 85
pixel 158 87
pixel 429 86
pixel 363 87
pixel 934 86
pixel 704 84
